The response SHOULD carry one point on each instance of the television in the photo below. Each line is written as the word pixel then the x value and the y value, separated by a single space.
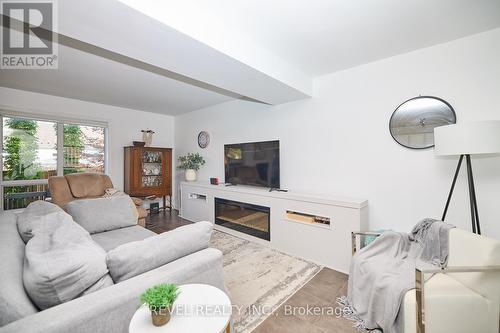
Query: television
pixel 254 164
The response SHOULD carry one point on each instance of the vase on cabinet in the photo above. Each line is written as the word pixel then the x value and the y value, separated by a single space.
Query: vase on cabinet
pixel 190 175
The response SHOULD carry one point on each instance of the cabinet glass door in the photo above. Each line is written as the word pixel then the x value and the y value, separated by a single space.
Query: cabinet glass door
pixel 152 168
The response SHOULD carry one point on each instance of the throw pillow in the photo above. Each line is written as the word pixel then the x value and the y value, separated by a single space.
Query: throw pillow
pixel 103 214
pixel 62 264
pixel 134 258
pixel 103 282
pixel 34 215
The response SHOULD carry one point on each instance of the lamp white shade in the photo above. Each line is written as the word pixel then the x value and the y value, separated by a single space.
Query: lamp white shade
pixel 477 137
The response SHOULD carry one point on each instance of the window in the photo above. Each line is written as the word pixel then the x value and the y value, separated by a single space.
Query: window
pixel 33 150
pixel 83 149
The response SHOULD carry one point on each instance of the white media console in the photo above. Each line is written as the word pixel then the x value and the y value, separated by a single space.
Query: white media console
pixel 315 228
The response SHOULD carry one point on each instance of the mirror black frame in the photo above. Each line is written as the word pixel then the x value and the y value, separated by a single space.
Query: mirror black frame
pixel 414 98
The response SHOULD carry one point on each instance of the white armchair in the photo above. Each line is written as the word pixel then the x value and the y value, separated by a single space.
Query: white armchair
pixel 464 297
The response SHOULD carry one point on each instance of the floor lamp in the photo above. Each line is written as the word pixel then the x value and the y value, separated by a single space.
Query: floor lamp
pixel 464 140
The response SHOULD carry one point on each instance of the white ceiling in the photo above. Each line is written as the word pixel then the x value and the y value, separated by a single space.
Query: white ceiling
pixel 323 36
pixel 92 78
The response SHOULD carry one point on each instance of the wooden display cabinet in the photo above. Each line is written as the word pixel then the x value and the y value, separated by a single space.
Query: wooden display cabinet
pixel 148 171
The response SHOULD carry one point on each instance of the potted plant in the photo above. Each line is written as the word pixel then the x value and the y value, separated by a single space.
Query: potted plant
pixel 191 163
pixel 160 299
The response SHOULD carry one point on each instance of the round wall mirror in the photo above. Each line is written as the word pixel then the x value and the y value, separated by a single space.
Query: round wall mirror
pixel 412 123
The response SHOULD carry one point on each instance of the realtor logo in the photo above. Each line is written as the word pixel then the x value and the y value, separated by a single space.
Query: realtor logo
pixel 28 40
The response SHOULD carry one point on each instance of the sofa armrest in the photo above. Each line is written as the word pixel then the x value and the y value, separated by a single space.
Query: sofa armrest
pixel 356 234
pixel 420 285
pixel 142 214
pixel 110 309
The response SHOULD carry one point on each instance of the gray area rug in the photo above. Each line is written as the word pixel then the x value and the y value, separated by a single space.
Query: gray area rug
pixel 259 279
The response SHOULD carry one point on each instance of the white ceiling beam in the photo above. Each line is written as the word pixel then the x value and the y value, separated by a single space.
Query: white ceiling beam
pixel 116 27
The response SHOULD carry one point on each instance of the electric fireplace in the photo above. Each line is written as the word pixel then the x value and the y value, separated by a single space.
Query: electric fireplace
pixel 251 219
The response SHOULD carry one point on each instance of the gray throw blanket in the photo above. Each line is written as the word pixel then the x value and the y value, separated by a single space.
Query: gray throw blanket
pixel 382 272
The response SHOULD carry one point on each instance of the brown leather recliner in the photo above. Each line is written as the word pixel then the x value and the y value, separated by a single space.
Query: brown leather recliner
pixel 64 189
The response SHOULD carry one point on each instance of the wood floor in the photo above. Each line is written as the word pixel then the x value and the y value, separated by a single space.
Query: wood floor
pixel 319 296
pixel 293 316
pixel 165 221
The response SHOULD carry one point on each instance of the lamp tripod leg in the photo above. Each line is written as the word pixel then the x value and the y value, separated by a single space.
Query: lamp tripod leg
pixel 472 196
pixel 452 187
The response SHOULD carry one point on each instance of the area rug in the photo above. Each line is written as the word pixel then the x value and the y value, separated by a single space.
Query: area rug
pixel 259 279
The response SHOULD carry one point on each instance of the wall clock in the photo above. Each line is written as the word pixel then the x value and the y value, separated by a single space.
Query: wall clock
pixel 203 139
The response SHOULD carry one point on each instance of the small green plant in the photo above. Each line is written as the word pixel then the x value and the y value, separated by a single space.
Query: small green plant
pixel 160 297
pixel 190 161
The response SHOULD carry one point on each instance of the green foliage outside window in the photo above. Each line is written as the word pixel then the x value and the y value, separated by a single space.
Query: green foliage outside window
pixel 21 150
pixel 73 148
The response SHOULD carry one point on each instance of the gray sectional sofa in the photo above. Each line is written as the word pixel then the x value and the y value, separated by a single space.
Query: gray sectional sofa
pixel 105 310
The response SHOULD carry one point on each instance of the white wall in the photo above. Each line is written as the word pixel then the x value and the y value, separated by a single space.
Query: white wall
pixel 338 142
pixel 124 124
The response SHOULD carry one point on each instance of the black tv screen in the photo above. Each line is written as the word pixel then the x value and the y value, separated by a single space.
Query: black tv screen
pixel 255 164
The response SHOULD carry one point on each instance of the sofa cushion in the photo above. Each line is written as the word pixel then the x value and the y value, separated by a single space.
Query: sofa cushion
pixel 83 185
pixel 103 214
pixel 134 258
pixel 109 240
pixel 61 264
pixel 59 190
pixel 34 215
pixel 105 281
pixel 14 302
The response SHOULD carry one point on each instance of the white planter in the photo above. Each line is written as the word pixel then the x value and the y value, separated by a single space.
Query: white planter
pixel 190 175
